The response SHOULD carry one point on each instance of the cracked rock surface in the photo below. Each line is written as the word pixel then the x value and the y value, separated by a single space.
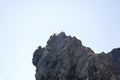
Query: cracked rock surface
pixel 65 58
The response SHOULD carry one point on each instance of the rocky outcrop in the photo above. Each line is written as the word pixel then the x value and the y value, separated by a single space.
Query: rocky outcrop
pixel 65 58
pixel 115 55
pixel 101 68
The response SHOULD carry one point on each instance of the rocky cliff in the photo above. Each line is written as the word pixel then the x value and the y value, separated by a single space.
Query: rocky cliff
pixel 115 56
pixel 65 58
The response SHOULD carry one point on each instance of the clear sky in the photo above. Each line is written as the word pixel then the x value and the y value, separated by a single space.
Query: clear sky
pixel 26 24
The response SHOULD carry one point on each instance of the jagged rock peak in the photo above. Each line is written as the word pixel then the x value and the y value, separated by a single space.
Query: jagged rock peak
pixel 60 40
pixel 63 39
pixel 65 58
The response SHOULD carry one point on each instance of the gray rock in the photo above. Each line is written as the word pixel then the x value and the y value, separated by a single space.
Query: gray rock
pixel 115 55
pixel 65 58
pixel 101 68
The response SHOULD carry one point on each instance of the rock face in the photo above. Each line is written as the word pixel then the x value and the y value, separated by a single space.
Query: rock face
pixel 115 55
pixel 65 58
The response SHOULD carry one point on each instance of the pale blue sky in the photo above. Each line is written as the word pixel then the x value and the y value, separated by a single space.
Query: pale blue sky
pixel 26 24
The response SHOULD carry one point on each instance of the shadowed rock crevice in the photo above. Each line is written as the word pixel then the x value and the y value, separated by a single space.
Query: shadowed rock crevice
pixel 65 58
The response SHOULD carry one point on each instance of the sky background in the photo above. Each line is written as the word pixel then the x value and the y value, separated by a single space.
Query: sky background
pixel 26 24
